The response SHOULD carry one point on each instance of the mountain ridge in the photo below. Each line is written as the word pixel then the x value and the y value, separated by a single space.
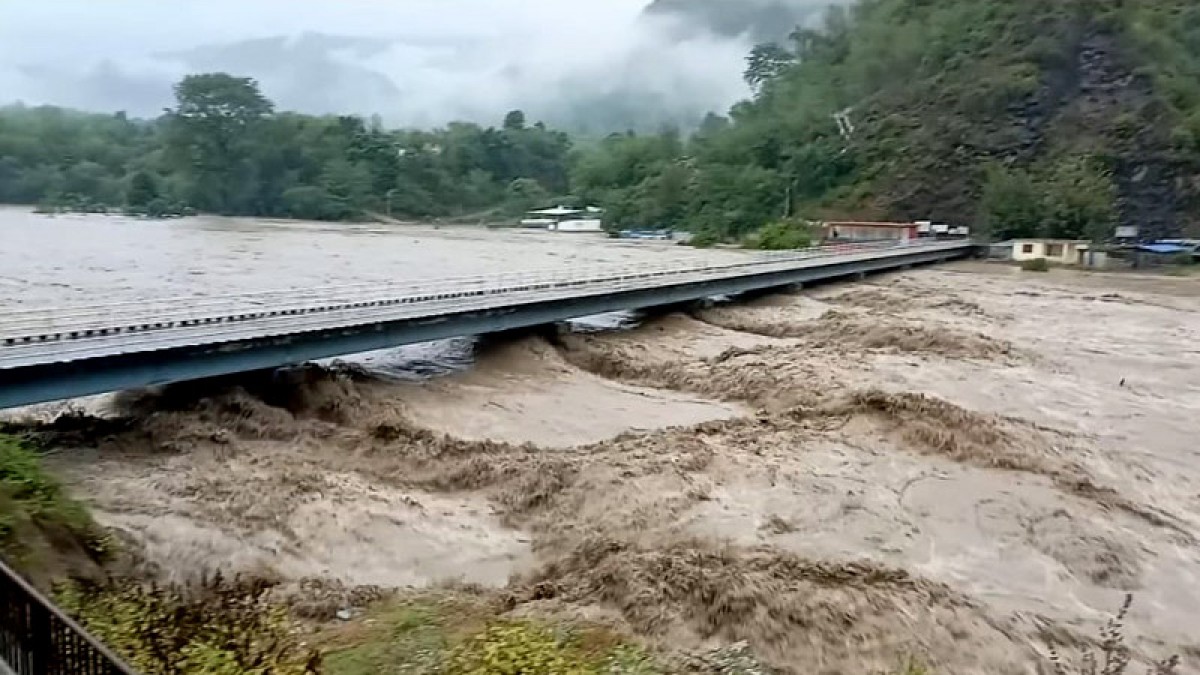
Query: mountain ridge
pixel 1022 118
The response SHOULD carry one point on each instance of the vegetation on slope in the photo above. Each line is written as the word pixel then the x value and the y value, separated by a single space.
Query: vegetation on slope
pixel 1020 117
pixel 44 534
pixel 1027 117
pixel 454 634
pixel 222 627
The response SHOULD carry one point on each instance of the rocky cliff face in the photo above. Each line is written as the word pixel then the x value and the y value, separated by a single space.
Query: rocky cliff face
pixel 1119 110
pixel 1086 95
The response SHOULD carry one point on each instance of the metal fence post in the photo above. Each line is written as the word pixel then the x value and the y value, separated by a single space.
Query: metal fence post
pixel 37 638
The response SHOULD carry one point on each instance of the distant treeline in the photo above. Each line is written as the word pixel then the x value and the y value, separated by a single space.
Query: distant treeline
pixel 894 109
pixel 224 149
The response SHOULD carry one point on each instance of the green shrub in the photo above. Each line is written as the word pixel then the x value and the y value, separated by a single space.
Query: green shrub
pixel 33 504
pixel 1035 265
pixel 780 236
pixel 516 649
pixel 705 239
pixel 222 627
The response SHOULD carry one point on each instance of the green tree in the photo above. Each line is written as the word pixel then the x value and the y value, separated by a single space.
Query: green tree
pixel 1081 200
pixel 213 129
pixel 766 62
pixel 525 194
pixel 310 203
pixel 143 189
pixel 1011 206
pixel 348 185
pixel 514 121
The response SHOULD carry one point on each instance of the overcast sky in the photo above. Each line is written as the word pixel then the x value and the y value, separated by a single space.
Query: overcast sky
pixel 443 59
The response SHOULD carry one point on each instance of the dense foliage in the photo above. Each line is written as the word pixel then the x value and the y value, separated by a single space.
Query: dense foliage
pixel 38 520
pixel 464 635
pixel 224 149
pixel 1020 118
pixel 1028 117
pixel 221 627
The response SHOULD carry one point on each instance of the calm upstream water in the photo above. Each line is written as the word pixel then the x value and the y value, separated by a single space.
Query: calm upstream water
pixel 53 261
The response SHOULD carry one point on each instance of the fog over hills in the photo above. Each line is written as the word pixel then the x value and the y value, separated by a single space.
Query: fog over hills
pixel 592 66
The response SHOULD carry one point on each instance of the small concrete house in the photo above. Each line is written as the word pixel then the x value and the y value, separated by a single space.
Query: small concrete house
pixel 1060 251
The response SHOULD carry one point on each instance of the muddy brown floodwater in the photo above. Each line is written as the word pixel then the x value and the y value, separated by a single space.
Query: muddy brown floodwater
pixel 78 259
pixel 967 464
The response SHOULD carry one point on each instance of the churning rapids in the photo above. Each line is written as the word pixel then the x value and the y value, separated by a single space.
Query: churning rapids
pixel 964 462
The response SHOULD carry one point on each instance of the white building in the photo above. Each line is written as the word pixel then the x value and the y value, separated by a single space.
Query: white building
pixel 1060 251
pixel 563 219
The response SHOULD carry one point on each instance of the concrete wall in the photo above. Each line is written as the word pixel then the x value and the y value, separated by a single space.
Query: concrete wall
pixel 868 233
pixel 592 225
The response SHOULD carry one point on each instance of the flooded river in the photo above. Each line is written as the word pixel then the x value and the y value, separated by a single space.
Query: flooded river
pixel 86 259
pixel 52 261
pixel 913 459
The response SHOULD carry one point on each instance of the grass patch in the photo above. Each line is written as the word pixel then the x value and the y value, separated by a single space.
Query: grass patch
pixel 407 637
pixel 39 522
pixel 465 636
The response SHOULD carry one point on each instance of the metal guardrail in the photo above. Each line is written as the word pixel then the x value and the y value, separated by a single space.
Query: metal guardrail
pixel 21 325
pixel 36 638
pixel 66 334
pixel 18 323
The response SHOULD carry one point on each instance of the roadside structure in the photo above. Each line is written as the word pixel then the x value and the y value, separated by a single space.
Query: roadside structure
pixel 1059 251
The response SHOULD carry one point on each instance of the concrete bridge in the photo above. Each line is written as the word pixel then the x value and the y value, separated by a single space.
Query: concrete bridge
pixel 52 354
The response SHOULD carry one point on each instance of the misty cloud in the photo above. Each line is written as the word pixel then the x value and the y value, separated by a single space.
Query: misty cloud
pixel 598 65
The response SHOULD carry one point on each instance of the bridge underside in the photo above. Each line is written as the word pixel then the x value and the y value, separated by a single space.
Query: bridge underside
pixel 51 382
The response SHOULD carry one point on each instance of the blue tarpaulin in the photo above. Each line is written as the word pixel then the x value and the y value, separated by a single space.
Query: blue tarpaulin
pixel 1165 249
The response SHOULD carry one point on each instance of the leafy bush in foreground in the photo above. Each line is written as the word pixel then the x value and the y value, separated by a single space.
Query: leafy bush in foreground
pixel 223 627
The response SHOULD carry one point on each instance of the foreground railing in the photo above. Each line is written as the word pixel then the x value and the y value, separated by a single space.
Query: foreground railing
pixel 36 638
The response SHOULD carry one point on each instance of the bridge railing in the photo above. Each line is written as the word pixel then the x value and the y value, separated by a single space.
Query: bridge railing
pixel 222 301
pixel 36 638
pixel 21 326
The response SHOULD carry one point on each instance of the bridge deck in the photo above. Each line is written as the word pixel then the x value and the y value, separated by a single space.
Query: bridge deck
pixel 50 354
pixel 29 337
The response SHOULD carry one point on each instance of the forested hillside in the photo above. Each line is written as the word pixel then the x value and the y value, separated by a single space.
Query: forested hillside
pixel 1019 117
pixel 1022 116
pixel 224 149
